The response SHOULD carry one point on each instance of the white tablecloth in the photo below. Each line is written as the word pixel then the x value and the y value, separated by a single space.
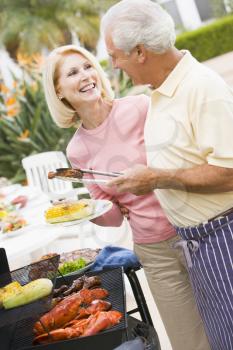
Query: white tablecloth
pixel 37 234
pixel 39 238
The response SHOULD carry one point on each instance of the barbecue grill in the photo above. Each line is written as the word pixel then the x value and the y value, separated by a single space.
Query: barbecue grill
pixel 18 335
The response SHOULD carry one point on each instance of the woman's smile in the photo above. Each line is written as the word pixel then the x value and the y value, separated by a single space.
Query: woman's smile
pixel 78 81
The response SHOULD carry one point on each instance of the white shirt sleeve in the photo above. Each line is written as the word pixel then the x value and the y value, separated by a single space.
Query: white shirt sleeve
pixel 213 126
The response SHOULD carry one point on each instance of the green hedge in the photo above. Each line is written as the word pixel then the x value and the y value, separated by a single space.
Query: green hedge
pixel 209 41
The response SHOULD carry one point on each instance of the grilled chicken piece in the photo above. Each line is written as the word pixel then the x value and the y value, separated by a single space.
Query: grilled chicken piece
pixel 66 172
pixel 83 282
pixel 60 291
pixel 91 282
pixel 76 286
pixel 67 309
pixel 94 324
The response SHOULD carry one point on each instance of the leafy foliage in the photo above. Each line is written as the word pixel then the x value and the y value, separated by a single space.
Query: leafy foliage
pixel 26 126
pixel 28 26
pixel 209 41
pixel 120 81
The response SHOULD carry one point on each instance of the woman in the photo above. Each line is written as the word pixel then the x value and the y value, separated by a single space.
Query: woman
pixel 109 137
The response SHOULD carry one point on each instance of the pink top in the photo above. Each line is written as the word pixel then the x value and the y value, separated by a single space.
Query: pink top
pixel 117 144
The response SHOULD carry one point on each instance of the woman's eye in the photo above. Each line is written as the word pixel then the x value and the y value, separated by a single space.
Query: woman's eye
pixel 72 72
pixel 88 66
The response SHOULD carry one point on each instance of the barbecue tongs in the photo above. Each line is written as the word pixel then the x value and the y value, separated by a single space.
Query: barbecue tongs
pixel 76 175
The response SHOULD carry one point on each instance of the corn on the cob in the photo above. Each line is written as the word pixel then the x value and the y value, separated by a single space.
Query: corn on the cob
pixel 32 291
pixel 68 211
pixel 9 289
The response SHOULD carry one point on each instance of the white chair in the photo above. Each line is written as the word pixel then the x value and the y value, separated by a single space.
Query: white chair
pixel 37 167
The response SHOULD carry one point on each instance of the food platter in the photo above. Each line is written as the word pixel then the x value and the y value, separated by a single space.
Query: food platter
pixel 100 207
pixel 80 271
pixel 88 255
pixel 88 181
pixel 14 233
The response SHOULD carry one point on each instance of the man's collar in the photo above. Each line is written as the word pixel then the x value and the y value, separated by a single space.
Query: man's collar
pixel 169 86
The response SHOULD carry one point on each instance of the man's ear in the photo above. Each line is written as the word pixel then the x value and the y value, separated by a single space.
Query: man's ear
pixel 141 53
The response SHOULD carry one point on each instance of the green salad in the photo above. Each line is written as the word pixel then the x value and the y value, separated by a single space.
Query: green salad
pixel 72 266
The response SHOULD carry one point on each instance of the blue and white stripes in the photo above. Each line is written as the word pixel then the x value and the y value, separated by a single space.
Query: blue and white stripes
pixel 211 274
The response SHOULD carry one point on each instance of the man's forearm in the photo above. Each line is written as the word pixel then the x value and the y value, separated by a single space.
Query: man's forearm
pixel 200 179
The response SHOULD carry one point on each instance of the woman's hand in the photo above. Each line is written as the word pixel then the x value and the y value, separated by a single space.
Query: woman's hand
pixel 124 211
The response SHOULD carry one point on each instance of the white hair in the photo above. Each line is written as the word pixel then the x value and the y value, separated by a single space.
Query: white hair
pixel 63 114
pixel 134 22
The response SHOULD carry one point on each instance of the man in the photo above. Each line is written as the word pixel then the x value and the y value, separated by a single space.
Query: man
pixel 189 143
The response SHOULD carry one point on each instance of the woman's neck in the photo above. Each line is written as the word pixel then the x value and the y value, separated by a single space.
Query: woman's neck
pixel 94 113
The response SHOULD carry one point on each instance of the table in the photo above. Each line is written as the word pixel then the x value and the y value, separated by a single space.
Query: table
pixel 21 249
pixel 40 238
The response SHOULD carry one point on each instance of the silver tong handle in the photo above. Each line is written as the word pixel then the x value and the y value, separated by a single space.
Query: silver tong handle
pixel 104 173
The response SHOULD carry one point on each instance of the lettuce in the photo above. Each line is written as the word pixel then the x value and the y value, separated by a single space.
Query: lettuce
pixel 71 266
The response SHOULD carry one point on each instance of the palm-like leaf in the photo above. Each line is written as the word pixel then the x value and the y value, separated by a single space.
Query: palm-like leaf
pixel 31 131
pixel 30 25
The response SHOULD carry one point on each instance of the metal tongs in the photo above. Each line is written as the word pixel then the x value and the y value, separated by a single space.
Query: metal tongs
pixel 86 171
pixel 97 172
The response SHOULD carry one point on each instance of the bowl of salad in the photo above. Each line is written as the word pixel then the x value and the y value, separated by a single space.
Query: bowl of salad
pixel 75 262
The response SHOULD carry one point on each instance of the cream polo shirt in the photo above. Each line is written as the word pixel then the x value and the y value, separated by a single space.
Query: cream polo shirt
pixel 189 123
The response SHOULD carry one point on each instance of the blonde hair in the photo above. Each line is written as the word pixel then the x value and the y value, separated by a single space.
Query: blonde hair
pixel 63 114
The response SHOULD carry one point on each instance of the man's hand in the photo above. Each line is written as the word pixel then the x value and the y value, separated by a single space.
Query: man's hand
pixel 204 178
pixel 138 180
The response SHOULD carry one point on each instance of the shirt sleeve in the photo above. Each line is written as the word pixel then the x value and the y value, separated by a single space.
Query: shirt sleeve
pixel 213 126
pixel 113 217
pixel 143 104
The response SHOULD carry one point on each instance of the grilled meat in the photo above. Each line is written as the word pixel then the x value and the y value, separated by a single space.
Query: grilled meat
pixel 94 324
pixel 67 309
pixel 66 172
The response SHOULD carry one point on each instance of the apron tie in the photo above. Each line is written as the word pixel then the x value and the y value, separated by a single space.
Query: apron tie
pixel 187 246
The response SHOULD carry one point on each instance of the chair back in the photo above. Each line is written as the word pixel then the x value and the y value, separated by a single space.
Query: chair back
pixel 37 167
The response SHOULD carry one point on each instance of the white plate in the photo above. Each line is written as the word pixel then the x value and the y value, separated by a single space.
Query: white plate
pixel 101 207
pixel 15 233
pixel 88 181
pixel 11 189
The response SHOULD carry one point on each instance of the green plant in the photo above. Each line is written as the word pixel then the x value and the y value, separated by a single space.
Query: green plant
pixel 41 24
pixel 120 82
pixel 209 41
pixel 26 126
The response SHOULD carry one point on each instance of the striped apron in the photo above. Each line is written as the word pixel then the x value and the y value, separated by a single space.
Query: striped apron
pixel 208 249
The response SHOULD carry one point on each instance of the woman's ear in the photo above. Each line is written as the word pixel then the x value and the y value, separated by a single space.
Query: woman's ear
pixel 59 94
pixel 141 53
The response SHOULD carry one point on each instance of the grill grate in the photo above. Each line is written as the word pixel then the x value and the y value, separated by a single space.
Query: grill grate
pixel 46 269
pixel 113 281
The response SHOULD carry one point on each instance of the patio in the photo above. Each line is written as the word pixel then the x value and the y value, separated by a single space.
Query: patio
pixel 24 98
pixel 223 65
pixel 88 235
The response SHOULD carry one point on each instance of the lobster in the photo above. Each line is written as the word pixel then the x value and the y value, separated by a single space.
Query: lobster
pixel 67 309
pixel 101 320
pixel 96 305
